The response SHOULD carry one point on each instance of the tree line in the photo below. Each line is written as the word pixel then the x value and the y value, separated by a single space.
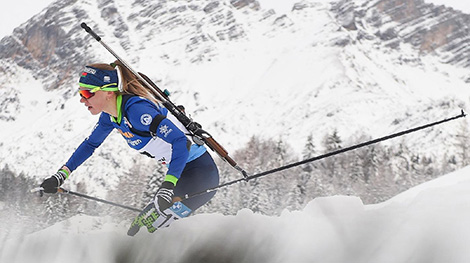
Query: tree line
pixel 374 173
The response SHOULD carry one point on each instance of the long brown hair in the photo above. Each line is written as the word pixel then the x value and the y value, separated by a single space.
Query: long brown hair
pixel 130 83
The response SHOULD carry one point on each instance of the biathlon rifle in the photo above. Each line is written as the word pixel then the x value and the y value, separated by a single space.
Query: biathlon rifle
pixel 199 135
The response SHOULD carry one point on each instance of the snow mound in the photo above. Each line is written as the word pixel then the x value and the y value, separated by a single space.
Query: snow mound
pixel 429 223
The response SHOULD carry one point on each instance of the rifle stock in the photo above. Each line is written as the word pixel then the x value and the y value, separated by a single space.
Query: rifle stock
pixel 193 127
pixel 216 147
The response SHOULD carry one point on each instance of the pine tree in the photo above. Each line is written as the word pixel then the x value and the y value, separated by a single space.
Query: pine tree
pixel 331 142
pixel 153 182
pixel 308 152
pixel 51 210
pixel 305 186
pixel 131 187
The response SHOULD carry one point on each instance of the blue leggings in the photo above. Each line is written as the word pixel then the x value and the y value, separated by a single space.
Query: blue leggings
pixel 197 176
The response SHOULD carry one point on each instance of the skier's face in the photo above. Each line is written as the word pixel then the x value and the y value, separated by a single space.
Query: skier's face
pixel 98 103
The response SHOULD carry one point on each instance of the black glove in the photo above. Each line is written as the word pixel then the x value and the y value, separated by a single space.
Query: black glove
pixel 164 196
pixel 51 184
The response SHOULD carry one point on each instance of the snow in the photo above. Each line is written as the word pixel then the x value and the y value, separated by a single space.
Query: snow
pixel 428 223
pixel 357 88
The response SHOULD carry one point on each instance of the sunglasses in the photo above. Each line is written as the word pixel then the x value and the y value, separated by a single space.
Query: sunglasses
pixel 86 93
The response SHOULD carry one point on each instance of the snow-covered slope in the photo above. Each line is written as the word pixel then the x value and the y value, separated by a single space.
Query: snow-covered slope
pixel 428 223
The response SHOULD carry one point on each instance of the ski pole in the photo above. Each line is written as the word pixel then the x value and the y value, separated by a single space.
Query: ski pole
pixel 64 191
pixel 194 127
pixel 188 196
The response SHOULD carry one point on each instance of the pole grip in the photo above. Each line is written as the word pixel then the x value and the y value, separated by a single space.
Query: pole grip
pixel 91 32
pixel 37 189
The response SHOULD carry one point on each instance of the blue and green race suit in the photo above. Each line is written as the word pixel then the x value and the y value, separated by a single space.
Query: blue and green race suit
pixel 168 144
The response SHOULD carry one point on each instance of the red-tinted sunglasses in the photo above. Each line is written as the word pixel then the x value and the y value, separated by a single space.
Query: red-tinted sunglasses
pixel 86 93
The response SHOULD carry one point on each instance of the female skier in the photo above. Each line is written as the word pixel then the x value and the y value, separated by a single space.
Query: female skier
pixel 126 105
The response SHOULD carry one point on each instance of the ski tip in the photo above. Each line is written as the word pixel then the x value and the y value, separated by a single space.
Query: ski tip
pixel 133 230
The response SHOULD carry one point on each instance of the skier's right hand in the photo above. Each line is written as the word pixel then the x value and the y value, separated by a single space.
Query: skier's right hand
pixel 164 197
pixel 51 184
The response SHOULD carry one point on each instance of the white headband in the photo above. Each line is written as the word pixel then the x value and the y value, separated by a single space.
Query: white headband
pixel 119 75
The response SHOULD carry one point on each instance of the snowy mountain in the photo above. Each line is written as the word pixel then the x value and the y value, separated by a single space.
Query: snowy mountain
pixel 428 223
pixel 363 68
pixel 359 67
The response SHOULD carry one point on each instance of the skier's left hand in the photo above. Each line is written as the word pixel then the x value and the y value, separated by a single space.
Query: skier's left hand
pixel 51 184
pixel 164 196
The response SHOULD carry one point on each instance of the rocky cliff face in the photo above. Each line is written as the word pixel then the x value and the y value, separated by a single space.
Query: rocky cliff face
pixel 431 29
pixel 45 45
pixel 54 46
